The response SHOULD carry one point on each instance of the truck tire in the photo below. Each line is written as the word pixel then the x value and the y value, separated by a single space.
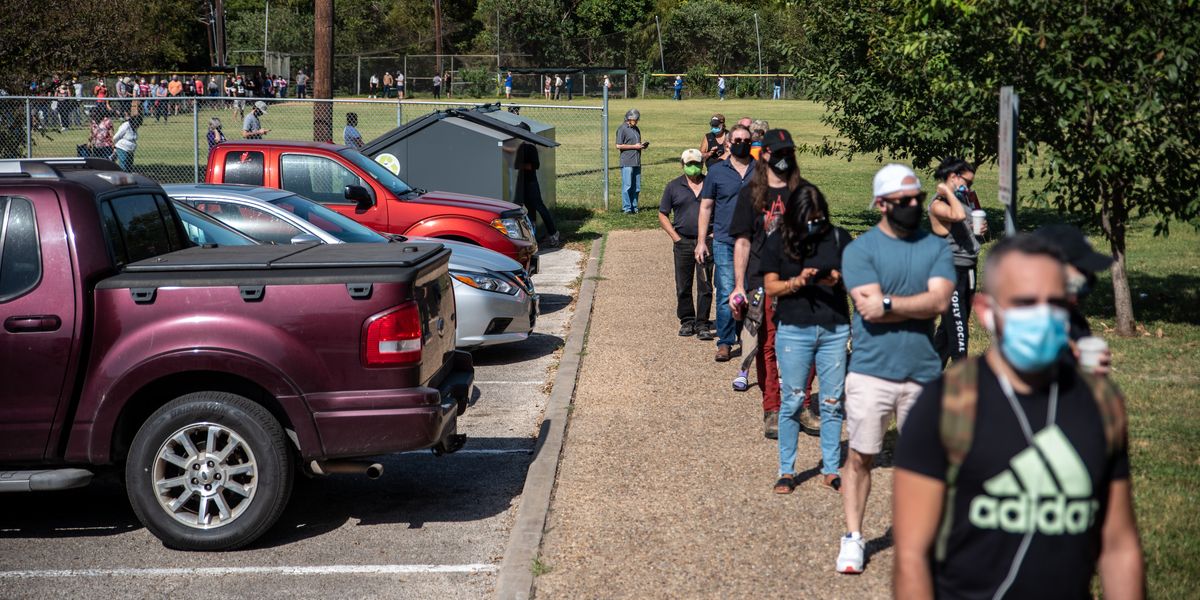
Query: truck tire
pixel 209 471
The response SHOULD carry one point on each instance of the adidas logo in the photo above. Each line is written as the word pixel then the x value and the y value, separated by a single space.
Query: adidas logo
pixel 1046 489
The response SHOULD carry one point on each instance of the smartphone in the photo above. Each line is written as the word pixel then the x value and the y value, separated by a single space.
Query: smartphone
pixel 821 274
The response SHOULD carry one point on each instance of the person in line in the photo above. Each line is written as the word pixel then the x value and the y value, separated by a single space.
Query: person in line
pixel 760 204
pixel 717 202
pixel 1083 266
pixel 437 86
pixel 175 91
pixel 529 191
pixel 758 129
pixel 1030 505
pixel 630 143
pixel 125 142
pixel 715 145
pixel 721 87
pixel 449 85
pixel 373 85
pixel 745 122
pixel 399 85
pixel 950 219
pixel 802 270
pixel 252 128
pixel 558 83
pixel 161 109
pixel 215 134
pixel 508 86
pixel 100 139
pixel 350 135
pixel 679 216
pixel 213 88
pixel 301 84
pixel 777 88
pixel 570 83
pixel 900 278
pixel 678 88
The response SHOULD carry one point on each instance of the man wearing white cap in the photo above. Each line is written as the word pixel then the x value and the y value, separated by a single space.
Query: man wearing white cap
pixel 679 216
pixel 252 129
pixel 900 278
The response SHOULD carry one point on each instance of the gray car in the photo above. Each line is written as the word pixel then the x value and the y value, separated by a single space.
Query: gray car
pixel 496 299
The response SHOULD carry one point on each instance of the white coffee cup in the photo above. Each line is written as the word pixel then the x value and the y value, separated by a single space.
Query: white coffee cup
pixel 1091 351
pixel 978 219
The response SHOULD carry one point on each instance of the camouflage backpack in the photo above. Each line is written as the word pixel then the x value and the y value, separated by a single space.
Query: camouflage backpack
pixel 960 393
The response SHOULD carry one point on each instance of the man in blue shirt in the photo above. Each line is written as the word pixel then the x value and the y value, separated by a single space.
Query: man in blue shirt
pixel 900 278
pixel 717 202
pixel 678 87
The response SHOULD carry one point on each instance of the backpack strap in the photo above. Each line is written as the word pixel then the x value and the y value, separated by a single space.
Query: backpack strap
pixel 960 394
pixel 1111 404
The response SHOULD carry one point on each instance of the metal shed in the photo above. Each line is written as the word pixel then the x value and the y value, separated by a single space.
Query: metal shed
pixel 469 151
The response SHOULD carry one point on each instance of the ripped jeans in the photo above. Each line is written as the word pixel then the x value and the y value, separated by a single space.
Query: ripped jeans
pixel 796 347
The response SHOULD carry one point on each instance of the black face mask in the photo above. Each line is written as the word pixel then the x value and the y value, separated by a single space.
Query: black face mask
pixel 740 149
pixel 783 164
pixel 816 226
pixel 905 218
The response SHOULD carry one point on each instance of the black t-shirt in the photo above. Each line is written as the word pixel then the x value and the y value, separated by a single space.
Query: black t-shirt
pixel 1068 466
pixel 679 200
pixel 812 304
pixel 749 223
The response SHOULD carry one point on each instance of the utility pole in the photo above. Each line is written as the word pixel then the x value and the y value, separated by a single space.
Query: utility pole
pixel 219 33
pixel 266 21
pixel 759 38
pixel 437 33
pixel 322 77
pixel 662 63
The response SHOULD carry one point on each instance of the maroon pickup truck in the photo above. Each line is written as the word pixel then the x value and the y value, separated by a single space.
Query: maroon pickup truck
pixel 209 374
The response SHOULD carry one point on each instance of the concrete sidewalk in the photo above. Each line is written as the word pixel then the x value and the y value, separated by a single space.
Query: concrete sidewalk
pixel 664 486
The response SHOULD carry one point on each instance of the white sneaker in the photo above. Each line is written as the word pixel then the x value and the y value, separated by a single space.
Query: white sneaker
pixel 850 558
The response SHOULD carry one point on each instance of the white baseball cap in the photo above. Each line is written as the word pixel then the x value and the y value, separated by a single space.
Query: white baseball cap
pixel 692 155
pixel 260 105
pixel 894 178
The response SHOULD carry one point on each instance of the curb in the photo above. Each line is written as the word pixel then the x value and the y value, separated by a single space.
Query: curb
pixel 515 581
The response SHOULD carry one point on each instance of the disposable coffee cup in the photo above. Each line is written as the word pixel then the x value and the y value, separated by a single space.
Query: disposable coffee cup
pixel 1091 351
pixel 978 219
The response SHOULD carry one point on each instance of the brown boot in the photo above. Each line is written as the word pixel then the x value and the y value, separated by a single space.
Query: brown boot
pixel 722 353
pixel 810 423
pixel 771 424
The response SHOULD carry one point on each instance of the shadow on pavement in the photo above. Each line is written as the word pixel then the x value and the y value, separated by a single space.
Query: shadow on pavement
pixel 535 347
pixel 416 488
pixel 552 303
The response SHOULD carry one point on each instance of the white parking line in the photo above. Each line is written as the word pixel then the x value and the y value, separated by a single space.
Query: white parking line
pixel 220 571
pixel 528 382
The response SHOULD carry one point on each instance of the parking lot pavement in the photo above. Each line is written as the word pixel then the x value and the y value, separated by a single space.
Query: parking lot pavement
pixel 430 527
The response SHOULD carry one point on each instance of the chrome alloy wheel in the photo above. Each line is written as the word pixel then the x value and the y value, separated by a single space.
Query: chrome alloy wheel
pixel 205 475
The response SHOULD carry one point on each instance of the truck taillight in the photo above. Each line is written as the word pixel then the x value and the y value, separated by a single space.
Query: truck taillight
pixel 393 338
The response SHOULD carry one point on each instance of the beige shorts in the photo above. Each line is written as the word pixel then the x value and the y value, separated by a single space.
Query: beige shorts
pixel 870 404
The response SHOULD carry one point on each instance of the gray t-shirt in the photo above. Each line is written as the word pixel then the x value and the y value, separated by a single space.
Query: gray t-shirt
pixel 901 267
pixel 630 135
pixel 301 79
pixel 250 123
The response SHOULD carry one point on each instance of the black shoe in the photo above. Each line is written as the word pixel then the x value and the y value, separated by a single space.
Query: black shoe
pixel 687 329
pixel 704 333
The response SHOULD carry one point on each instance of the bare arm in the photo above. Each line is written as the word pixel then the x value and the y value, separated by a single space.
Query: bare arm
pixel 868 301
pixel 1122 571
pixel 666 225
pixel 741 259
pixel 706 209
pixel 775 287
pixel 914 525
pixel 950 211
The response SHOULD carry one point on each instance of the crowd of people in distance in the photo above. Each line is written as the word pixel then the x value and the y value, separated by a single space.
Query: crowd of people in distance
pixel 1012 470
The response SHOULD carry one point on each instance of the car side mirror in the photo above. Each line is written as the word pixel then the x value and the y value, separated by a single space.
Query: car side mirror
pixel 360 195
pixel 305 238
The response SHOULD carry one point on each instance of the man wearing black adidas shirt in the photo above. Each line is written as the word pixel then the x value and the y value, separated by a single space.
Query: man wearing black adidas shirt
pixel 1028 505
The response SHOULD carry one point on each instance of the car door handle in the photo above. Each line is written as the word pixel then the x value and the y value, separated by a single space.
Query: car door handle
pixel 32 323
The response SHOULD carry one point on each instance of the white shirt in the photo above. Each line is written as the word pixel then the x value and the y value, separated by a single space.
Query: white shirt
pixel 126 137
pixel 399 78
pixel 721 82
pixel 374 80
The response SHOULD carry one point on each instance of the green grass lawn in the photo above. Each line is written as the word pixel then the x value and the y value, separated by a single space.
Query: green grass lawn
pixel 1159 369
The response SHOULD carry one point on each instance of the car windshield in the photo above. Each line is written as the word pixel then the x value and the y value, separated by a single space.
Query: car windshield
pixel 378 172
pixel 203 229
pixel 339 226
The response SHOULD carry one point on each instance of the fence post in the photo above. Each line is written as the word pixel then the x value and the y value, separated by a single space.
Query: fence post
pixel 28 130
pixel 358 78
pixel 195 140
pixel 604 142
pixel 399 105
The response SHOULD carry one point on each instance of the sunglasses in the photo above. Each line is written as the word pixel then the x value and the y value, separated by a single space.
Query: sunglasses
pixel 903 200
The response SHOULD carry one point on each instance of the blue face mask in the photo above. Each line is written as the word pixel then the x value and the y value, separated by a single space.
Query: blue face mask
pixel 716 130
pixel 1033 336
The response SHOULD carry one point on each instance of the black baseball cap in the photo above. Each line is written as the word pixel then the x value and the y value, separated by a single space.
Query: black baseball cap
pixel 778 139
pixel 1075 247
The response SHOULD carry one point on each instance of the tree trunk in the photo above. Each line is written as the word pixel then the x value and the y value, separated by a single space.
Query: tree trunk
pixel 1113 218
pixel 322 77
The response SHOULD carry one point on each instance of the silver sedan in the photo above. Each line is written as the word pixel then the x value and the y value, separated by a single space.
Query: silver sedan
pixel 496 299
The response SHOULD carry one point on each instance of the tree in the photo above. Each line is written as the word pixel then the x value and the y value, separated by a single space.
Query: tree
pixel 1108 98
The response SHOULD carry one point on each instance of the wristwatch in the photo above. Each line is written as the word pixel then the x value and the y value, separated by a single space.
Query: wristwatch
pixel 887 304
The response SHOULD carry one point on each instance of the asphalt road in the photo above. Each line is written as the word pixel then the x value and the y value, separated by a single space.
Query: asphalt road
pixel 430 527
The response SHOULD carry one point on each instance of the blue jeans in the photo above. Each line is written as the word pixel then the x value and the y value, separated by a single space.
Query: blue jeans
pixel 723 280
pixel 775 95
pixel 125 160
pixel 631 186
pixel 796 346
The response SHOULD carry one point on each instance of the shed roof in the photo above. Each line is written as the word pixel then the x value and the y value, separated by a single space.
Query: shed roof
pixel 473 115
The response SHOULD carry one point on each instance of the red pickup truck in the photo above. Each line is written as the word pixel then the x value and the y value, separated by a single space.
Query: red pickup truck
pixel 210 374
pixel 345 180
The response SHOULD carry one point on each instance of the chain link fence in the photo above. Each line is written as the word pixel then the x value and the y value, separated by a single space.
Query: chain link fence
pixel 173 139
